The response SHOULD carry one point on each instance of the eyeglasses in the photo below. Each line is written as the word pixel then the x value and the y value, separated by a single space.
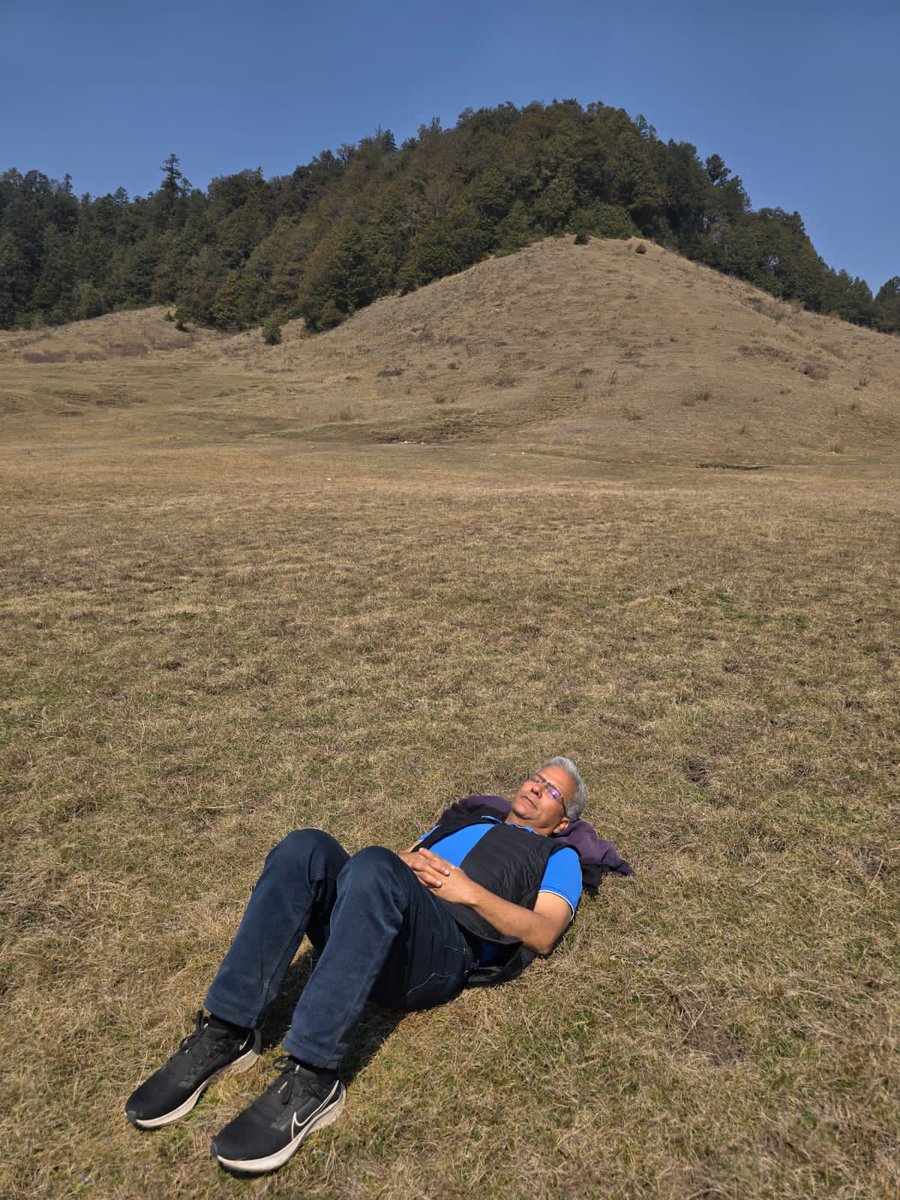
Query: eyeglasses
pixel 553 792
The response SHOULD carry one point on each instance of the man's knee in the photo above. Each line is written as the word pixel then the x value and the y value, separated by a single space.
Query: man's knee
pixel 301 848
pixel 371 867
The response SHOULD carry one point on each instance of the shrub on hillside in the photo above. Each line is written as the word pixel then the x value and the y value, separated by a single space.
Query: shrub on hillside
pixel 271 331
pixel 604 221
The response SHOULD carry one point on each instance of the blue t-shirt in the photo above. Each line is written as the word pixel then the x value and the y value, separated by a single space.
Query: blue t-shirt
pixel 562 875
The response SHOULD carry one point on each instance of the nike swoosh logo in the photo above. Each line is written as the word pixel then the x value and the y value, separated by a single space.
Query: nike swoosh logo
pixel 297 1126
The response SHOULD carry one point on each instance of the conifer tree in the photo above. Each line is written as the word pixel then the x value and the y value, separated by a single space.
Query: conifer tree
pixel 887 306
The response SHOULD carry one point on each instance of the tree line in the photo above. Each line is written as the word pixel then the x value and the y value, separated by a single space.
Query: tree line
pixel 374 218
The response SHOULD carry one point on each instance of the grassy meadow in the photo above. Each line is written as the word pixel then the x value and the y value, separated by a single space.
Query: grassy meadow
pixel 235 600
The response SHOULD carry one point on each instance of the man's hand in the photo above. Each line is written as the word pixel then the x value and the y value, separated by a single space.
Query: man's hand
pixel 438 875
pixel 539 928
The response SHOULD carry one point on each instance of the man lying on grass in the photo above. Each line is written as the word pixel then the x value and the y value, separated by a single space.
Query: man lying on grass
pixel 471 902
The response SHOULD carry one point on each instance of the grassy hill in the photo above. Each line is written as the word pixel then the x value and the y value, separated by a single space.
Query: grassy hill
pixel 344 580
pixel 596 352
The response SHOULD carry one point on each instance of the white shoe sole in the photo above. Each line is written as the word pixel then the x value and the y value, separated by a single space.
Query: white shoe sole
pixel 259 1166
pixel 244 1063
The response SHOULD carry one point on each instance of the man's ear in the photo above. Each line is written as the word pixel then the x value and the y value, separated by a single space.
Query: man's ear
pixel 562 826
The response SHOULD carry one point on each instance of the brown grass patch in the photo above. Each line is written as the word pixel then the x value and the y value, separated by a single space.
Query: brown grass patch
pixel 225 613
pixel 512 340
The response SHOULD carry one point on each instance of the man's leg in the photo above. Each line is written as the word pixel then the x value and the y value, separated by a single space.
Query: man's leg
pixel 386 930
pixel 388 933
pixel 295 894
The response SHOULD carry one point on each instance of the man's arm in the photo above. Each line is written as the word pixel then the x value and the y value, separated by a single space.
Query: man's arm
pixel 539 928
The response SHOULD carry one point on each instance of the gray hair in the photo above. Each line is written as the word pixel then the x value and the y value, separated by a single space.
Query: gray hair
pixel 575 807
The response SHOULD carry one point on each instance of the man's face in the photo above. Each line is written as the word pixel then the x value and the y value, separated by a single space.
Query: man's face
pixel 534 806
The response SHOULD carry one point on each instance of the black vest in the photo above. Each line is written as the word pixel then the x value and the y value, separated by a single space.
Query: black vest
pixel 509 862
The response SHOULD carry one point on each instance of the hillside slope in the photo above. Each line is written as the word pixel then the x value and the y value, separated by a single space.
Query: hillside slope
pixel 596 350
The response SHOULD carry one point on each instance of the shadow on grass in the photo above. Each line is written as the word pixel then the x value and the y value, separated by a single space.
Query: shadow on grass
pixel 372 1030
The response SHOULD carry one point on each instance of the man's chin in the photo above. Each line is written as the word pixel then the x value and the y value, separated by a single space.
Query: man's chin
pixel 523 813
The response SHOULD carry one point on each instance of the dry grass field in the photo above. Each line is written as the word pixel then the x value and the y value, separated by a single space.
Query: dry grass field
pixel 345 580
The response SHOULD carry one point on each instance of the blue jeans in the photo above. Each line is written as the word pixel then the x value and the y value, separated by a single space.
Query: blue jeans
pixel 381 933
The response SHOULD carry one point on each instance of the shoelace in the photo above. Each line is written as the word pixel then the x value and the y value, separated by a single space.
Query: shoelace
pixel 188 1041
pixel 290 1070
pixel 208 1049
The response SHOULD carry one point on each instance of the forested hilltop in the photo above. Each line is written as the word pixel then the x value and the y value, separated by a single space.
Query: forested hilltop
pixel 375 218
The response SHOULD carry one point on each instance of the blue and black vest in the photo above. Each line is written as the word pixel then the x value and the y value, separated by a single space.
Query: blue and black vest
pixel 511 865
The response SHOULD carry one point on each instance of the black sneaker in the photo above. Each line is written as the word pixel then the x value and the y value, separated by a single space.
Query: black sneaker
pixel 204 1055
pixel 266 1134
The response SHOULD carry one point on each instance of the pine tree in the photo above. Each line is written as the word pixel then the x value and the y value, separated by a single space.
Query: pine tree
pixel 887 306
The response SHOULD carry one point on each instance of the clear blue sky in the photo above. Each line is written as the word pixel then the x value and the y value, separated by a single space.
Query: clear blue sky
pixel 801 98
